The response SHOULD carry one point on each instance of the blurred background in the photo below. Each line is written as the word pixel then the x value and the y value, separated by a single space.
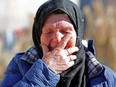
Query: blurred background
pixel 16 20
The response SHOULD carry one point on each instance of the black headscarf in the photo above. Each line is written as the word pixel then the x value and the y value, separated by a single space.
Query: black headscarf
pixel 74 76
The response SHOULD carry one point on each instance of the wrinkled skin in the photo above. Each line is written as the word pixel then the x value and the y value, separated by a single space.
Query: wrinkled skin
pixel 58 41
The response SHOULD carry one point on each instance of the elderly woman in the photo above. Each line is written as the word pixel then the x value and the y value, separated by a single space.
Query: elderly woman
pixel 58 57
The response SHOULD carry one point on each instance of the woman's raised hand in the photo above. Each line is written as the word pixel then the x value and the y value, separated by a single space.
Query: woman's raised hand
pixel 60 58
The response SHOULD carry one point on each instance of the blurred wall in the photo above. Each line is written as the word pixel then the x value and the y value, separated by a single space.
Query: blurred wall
pixel 100 26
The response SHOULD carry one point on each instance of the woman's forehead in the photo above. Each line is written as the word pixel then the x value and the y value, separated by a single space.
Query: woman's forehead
pixel 57 17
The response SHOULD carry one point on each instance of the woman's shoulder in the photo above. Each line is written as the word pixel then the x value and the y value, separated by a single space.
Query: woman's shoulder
pixel 109 70
pixel 110 75
pixel 18 56
pixel 13 65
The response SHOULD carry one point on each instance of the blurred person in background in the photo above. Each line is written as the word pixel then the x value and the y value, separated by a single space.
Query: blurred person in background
pixel 58 57
pixel 9 39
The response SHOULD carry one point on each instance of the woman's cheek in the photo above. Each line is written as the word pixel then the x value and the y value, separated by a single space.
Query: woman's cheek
pixel 71 42
pixel 45 40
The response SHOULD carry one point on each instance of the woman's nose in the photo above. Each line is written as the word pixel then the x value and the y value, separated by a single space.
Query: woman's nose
pixel 57 36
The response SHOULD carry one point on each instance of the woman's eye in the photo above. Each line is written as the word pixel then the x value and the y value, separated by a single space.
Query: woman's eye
pixel 65 32
pixel 48 32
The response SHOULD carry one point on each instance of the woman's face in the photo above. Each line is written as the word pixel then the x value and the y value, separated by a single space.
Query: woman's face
pixel 55 28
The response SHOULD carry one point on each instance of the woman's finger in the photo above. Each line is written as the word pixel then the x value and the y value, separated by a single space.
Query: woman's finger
pixel 72 57
pixel 64 66
pixel 72 50
pixel 64 41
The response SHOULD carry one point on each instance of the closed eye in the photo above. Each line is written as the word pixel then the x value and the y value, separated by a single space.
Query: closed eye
pixel 49 32
pixel 65 31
